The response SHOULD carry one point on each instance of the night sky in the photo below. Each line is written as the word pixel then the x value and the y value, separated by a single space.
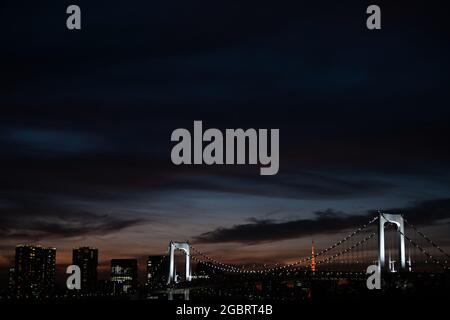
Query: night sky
pixel 86 119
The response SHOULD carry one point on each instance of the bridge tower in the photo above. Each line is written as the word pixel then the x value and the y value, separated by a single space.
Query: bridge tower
pixel 396 219
pixel 183 246
pixel 313 258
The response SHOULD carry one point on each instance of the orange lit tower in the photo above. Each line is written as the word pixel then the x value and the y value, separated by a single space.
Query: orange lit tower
pixel 313 258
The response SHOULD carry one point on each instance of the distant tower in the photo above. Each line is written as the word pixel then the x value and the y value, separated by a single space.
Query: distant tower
pixel 313 258
pixel 87 259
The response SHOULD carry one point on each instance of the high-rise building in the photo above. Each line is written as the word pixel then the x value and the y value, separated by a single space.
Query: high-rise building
pixel 11 281
pixel 87 259
pixel 157 266
pixel 34 271
pixel 124 275
pixel 49 274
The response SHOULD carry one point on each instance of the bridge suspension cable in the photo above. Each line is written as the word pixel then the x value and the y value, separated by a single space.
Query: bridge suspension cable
pixel 329 255
pixel 348 249
pixel 426 238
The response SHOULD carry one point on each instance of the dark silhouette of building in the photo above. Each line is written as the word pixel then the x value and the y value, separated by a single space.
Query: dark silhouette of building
pixel 49 274
pixel 105 288
pixel 157 269
pixel 34 271
pixel 87 259
pixel 124 273
pixel 11 281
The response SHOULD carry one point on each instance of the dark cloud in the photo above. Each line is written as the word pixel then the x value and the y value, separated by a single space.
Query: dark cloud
pixel 110 175
pixel 105 100
pixel 258 231
pixel 294 184
pixel 425 212
pixel 324 222
pixel 51 227
pixel 37 217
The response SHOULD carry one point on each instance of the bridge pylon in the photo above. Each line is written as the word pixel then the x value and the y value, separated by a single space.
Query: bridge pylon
pixel 185 247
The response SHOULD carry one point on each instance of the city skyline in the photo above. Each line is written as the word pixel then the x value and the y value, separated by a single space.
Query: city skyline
pixel 87 259
pixel 33 274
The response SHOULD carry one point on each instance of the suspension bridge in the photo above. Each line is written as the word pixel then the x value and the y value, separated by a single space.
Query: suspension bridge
pixel 389 241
